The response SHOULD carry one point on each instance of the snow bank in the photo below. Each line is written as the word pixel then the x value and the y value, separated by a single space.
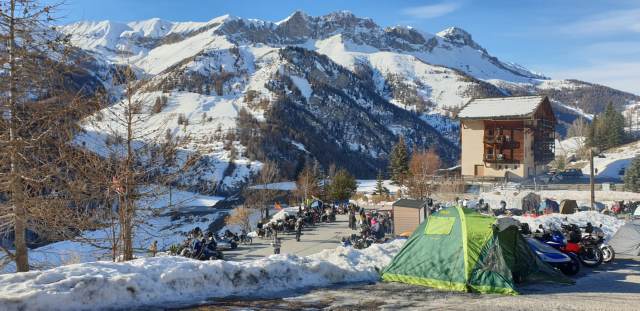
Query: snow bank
pixel 175 281
pixel 610 225
pixel 368 186
pixel 512 198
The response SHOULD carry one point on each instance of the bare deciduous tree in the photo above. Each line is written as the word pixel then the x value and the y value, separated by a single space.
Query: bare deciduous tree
pixel 308 184
pixel 240 216
pixel 422 166
pixel 261 195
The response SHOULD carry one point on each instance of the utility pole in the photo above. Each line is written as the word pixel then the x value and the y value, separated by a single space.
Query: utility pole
pixel 592 180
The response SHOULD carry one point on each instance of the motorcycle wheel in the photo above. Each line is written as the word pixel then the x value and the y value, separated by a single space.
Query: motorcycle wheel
pixel 608 254
pixel 590 256
pixel 571 268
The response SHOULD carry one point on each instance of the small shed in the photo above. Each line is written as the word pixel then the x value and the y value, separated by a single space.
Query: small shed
pixel 408 214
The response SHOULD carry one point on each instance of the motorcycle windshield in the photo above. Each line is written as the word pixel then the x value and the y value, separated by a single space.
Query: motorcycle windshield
pixel 541 247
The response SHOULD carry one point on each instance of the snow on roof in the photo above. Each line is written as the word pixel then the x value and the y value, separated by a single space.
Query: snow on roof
pixel 501 107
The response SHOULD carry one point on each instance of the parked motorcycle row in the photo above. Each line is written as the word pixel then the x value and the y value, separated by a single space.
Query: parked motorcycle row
pixel 209 247
pixel 570 247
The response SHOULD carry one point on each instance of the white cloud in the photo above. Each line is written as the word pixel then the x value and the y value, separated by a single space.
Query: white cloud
pixel 624 76
pixel 431 11
pixel 611 22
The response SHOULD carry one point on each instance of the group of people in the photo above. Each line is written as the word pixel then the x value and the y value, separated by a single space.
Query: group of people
pixel 375 224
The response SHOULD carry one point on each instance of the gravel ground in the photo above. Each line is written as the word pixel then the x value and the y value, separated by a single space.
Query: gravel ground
pixel 611 287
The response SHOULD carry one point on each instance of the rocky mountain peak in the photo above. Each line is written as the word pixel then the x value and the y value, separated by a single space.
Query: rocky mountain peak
pixel 459 36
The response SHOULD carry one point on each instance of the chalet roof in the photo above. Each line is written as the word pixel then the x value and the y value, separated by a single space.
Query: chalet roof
pixel 410 203
pixel 501 107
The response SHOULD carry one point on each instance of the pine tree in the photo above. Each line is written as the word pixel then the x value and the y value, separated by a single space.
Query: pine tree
pixel 607 129
pixel 399 162
pixel 343 186
pixel 632 176
pixel 614 127
pixel 380 190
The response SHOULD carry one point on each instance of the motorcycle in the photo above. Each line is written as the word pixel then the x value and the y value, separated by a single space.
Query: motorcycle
pixel 201 250
pixel 588 249
pixel 245 239
pixel 226 244
pixel 608 254
pixel 569 242
pixel 568 264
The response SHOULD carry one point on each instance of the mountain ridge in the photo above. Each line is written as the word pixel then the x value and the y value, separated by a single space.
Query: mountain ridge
pixel 281 77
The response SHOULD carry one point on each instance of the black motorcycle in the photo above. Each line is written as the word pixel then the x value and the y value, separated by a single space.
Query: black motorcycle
pixel 202 250
pixel 245 239
pixel 589 252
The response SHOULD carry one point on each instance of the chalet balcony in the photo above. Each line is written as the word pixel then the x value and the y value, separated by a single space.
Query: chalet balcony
pixel 500 159
pixel 504 142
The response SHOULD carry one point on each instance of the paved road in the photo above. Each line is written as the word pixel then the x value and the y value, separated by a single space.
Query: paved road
pixel 314 239
pixel 612 287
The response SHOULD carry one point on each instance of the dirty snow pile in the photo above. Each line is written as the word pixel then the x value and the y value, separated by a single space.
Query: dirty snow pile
pixel 176 281
pixel 610 225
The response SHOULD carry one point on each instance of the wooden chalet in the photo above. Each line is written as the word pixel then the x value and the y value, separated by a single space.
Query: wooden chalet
pixel 510 137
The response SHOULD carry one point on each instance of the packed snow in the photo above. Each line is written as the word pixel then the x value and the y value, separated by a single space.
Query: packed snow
pixel 583 198
pixel 497 107
pixel 177 281
pixel 610 224
pixel 368 186
pixel 303 85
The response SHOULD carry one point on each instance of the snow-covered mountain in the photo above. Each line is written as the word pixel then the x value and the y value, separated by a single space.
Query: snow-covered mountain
pixel 336 88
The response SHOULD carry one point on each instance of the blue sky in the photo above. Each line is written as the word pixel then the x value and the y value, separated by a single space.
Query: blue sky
pixel 596 41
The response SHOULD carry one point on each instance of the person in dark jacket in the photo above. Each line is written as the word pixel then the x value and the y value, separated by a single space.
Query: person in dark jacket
pixel 298 228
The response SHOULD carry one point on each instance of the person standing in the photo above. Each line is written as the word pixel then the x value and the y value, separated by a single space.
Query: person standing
pixel 352 220
pixel 298 228
pixel 154 248
pixel 276 244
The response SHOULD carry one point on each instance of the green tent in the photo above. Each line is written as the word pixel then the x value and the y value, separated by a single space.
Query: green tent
pixel 460 249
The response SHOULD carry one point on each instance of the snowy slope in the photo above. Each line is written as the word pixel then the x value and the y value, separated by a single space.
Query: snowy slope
pixel 211 70
pixel 614 160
